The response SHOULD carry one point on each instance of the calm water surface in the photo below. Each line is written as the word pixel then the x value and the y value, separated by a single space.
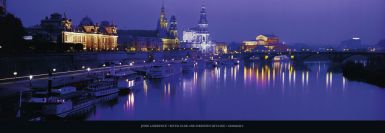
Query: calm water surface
pixel 250 91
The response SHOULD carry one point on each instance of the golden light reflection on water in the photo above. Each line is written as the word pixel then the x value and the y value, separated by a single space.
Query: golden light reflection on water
pixel 145 87
pixel 129 104
pixel 283 74
pixel 329 80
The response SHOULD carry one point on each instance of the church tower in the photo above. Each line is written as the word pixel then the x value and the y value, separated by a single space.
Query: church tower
pixel 173 30
pixel 203 23
pixel 3 7
pixel 162 23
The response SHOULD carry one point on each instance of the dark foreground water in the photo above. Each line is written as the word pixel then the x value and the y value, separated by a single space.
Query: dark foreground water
pixel 250 91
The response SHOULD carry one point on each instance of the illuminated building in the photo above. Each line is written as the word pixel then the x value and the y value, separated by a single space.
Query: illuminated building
pixel 59 29
pixel 140 40
pixel 163 38
pixel 353 44
pixel 3 7
pixel 271 42
pixel 171 40
pixel 92 36
pixel 199 37
pixel 221 48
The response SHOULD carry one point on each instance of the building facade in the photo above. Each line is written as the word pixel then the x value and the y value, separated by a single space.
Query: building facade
pixel 199 37
pixel 270 42
pixel 60 30
pixel 140 40
pixel 221 48
pixel 168 33
pixel 94 37
pixel 164 37
pixel 352 44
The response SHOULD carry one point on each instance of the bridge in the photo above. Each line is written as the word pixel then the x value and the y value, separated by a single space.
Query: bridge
pixel 302 56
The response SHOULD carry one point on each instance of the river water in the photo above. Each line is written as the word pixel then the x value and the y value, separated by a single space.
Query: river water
pixel 250 91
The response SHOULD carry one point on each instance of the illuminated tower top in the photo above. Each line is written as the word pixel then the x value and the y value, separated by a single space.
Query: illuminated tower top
pixel 162 23
pixel 163 20
pixel 173 31
pixel 203 23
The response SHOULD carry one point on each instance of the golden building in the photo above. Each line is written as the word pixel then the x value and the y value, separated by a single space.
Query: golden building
pixel 59 29
pixel 164 37
pixel 268 41
pixel 92 36
pixel 221 48
pixel 169 36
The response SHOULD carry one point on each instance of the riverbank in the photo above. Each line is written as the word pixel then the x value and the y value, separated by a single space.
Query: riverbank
pixel 371 73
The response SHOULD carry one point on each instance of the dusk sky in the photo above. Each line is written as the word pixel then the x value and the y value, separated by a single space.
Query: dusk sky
pixel 303 21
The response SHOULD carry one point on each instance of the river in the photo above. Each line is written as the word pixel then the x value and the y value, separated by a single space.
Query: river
pixel 249 91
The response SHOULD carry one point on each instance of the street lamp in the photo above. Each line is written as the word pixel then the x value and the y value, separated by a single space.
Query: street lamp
pixel 83 67
pixel 30 81
pixel 88 70
pixel 53 71
pixel 15 74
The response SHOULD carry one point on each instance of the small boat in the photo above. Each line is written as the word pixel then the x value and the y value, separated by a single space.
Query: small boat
pixel 254 58
pixel 229 62
pixel 121 75
pixel 188 65
pixel 281 58
pixel 131 82
pixel 212 62
pixel 60 102
pixel 102 87
pixel 162 70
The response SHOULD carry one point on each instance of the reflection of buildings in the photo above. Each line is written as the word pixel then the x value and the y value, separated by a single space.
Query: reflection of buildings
pixel 270 42
pixel 199 37
pixel 164 37
pixel 59 29
pixel 3 7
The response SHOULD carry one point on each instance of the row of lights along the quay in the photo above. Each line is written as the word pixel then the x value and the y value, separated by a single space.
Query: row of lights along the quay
pixel 54 70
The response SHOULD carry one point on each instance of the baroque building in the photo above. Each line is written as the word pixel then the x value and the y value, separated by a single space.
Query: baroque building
pixel 199 37
pixel 60 30
pixel 93 36
pixel 168 34
pixel 268 41
pixel 164 37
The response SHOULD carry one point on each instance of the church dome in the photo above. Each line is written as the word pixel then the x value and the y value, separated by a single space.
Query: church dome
pixel 86 21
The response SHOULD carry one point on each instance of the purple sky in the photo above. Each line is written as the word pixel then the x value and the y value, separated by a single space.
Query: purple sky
pixel 307 21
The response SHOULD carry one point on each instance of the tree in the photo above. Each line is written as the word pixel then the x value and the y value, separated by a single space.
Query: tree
pixel 11 34
pixel 381 44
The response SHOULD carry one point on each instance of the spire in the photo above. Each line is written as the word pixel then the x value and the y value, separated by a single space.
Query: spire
pixel 203 23
pixel 162 23
pixel 203 17
pixel 173 30
pixel 163 9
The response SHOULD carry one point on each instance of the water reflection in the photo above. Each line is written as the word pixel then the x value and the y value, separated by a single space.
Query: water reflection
pixel 252 91
pixel 129 104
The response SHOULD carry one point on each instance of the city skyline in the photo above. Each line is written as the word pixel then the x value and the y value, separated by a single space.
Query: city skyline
pixel 297 21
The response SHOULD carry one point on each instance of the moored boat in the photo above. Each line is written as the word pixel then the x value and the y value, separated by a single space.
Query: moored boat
pixel 102 87
pixel 188 65
pixel 162 70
